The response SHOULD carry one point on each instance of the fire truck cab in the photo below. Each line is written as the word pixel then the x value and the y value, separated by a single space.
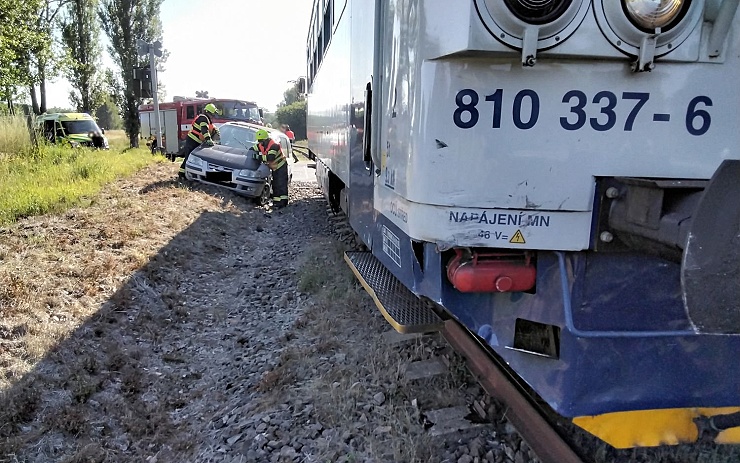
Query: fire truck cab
pixel 177 116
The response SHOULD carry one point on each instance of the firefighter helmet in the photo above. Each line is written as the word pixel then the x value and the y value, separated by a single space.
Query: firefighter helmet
pixel 262 135
pixel 211 108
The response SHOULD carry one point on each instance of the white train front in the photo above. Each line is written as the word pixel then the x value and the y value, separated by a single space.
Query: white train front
pixel 558 176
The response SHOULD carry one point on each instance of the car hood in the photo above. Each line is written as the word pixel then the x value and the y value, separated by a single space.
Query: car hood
pixel 235 158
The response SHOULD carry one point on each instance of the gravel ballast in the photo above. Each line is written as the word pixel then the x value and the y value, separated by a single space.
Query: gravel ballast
pixel 173 322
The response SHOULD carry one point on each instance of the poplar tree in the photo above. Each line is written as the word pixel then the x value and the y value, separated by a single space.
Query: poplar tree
pixel 80 32
pixel 124 22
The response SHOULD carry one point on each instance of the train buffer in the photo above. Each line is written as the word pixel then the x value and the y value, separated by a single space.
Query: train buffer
pixel 400 307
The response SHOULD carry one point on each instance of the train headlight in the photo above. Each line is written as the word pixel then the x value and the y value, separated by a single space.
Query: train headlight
pixel 538 11
pixel 653 14
pixel 532 25
pixel 648 29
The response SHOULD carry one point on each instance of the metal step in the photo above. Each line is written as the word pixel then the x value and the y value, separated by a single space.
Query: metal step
pixel 400 307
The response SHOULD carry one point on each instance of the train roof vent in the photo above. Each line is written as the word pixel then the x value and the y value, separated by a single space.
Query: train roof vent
pixel 532 25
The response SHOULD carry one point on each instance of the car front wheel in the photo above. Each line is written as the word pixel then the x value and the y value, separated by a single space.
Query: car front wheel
pixel 264 197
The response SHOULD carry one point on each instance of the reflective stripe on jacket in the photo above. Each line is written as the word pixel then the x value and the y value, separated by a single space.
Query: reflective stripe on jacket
pixel 272 154
pixel 201 129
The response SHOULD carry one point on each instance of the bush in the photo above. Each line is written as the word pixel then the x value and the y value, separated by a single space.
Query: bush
pixel 295 116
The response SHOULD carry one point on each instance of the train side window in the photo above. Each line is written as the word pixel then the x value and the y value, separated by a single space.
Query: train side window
pixel 199 109
pixel 326 33
pixel 190 112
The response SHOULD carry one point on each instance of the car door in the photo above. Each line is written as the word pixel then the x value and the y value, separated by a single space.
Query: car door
pixel 49 130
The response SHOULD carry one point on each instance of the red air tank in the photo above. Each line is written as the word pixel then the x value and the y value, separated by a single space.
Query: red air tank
pixel 474 272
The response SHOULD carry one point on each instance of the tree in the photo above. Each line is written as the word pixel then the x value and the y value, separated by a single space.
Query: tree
pixel 292 110
pixel 292 95
pixel 270 118
pixel 18 34
pixel 56 109
pixel 107 115
pixel 295 116
pixel 43 61
pixel 201 93
pixel 80 35
pixel 125 21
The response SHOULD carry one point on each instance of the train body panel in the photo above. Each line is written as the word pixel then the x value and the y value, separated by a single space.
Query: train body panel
pixel 455 226
pixel 597 327
pixel 337 106
pixel 478 145
pixel 550 160
pixel 537 137
pixel 328 128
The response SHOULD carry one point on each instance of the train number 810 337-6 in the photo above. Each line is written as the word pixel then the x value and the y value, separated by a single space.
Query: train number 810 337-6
pixel 599 112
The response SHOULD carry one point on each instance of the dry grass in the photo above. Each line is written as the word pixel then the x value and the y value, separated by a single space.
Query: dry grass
pixel 117 139
pixel 76 309
pixel 345 363
pixel 14 138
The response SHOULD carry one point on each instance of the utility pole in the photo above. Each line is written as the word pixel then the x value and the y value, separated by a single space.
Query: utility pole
pixel 153 49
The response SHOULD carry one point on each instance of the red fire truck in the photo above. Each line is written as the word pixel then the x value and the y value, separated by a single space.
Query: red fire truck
pixel 177 116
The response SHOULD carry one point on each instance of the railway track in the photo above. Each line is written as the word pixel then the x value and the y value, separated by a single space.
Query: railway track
pixel 530 422
pixel 521 411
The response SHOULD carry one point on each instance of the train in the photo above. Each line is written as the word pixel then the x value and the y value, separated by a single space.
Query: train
pixel 561 178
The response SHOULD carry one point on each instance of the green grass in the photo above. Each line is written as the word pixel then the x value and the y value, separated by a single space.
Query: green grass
pixel 14 136
pixel 57 178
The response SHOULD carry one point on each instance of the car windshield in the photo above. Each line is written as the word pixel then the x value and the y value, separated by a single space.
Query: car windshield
pixel 238 137
pixel 239 111
pixel 82 126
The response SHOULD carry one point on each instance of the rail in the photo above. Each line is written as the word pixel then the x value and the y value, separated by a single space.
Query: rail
pixel 541 437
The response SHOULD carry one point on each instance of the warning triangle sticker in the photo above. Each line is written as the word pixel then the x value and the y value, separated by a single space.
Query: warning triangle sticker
pixel 518 238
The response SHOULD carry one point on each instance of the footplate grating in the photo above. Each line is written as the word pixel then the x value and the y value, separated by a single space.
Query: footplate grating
pixel 400 307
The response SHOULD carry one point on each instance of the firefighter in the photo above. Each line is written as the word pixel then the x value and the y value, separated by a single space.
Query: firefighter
pixel 285 128
pixel 289 133
pixel 270 152
pixel 199 133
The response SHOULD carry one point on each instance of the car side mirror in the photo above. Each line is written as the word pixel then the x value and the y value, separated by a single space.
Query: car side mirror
pixel 102 131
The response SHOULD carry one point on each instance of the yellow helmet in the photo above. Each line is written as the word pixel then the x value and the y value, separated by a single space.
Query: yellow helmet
pixel 262 135
pixel 211 108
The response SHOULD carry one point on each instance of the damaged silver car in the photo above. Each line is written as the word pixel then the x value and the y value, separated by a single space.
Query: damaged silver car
pixel 231 164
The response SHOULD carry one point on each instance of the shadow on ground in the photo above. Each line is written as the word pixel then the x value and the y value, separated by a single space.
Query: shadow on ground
pixel 110 390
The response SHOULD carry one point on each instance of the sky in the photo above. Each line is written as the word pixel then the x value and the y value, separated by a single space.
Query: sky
pixel 251 49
